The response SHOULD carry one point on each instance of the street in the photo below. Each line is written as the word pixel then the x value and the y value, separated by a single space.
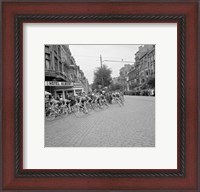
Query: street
pixel 132 125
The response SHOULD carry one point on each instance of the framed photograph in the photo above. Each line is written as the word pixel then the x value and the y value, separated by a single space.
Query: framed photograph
pixel 100 96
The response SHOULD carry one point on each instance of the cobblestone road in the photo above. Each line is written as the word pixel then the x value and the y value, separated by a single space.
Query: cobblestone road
pixel 130 126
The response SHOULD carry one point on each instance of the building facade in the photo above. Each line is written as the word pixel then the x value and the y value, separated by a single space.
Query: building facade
pixel 143 69
pixel 116 80
pixel 124 76
pixel 62 75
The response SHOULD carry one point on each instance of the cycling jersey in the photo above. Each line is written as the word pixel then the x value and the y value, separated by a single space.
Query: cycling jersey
pixel 117 95
pixel 72 102
pixel 78 99
pixel 102 96
pixel 83 99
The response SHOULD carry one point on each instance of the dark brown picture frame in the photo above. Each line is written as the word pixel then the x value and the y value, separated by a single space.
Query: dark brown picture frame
pixel 185 177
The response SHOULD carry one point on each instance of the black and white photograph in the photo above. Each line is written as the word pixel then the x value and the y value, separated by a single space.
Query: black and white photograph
pixel 99 95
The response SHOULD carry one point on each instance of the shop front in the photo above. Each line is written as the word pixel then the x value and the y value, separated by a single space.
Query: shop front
pixel 58 88
pixel 76 89
pixel 63 89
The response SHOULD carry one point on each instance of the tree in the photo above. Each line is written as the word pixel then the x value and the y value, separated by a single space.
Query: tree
pixel 102 77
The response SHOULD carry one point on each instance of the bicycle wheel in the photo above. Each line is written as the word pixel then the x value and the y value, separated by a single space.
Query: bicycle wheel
pixel 105 105
pixel 101 106
pixel 89 107
pixel 73 109
pixel 65 111
pixel 78 111
pixel 51 116
pixel 96 107
pixel 120 103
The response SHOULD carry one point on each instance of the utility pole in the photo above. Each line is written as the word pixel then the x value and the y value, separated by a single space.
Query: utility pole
pixel 102 83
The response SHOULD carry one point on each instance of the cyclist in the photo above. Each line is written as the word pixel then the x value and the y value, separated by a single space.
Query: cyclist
pixel 119 98
pixel 83 100
pixel 60 104
pixel 98 99
pixel 113 96
pixel 93 96
pixel 117 94
pixel 72 102
pixel 121 95
pixel 103 98
pixel 90 97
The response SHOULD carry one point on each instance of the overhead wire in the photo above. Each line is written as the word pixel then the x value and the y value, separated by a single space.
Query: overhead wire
pixel 98 57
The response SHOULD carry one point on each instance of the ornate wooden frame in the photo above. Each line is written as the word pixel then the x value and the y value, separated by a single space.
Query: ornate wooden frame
pixel 15 14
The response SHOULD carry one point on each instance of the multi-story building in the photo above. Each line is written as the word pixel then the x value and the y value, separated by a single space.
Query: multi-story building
pixel 124 76
pixel 151 63
pixel 81 83
pixel 132 77
pixel 61 72
pixel 116 80
pixel 143 69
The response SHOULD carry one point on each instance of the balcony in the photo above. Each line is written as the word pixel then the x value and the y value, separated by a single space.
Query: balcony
pixel 50 73
pixel 47 51
pixel 56 74
pixel 60 75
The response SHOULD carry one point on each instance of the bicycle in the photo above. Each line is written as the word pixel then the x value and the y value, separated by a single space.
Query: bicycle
pixel 119 101
pixel 54 111
pixel 104 104
pixel 80 110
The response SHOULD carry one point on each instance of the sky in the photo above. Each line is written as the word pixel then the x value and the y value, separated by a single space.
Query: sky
pixel 88 57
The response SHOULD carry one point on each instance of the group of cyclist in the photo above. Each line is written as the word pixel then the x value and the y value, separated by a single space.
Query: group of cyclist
pixel 83 100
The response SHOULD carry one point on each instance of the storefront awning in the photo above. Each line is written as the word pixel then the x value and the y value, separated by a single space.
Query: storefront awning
pixel 47 93
pixel 58 83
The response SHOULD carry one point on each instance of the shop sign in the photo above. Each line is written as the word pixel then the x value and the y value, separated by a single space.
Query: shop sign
pixel 58 83
pixel 77 85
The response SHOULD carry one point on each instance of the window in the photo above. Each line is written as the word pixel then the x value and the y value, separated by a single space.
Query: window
pixel 55 49
pixel 46 48
pixel 71 77
pixel 56 64
pixel 47 61
pixel 59 52
pixel 60 64
pixel 65 69
pixel 47 56
pixel 47 64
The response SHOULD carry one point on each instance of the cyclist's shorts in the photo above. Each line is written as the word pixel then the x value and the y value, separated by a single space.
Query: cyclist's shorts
pixel 72 102
pixel 98 100
pixel 83 100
